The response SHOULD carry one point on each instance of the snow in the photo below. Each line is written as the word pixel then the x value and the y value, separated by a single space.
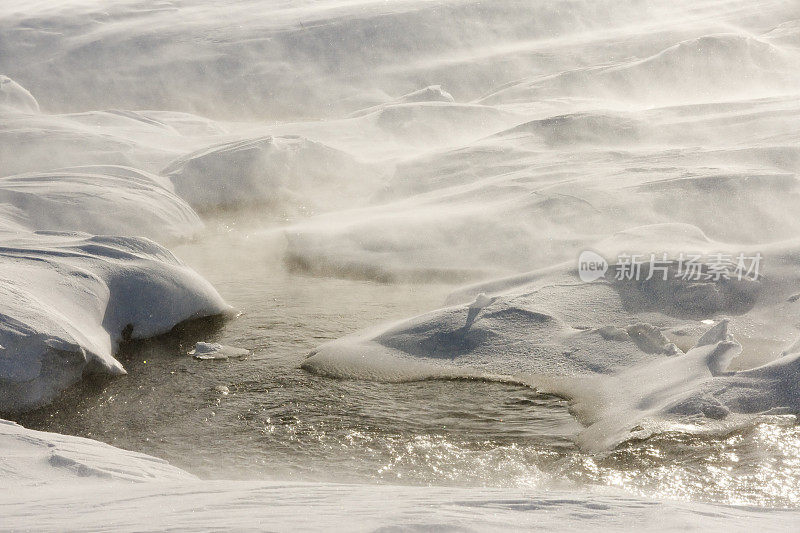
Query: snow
pixel 719 66
pixel 615 348
pixel 52 480
pixel 15 98
pixel 452 140
pixel 285 171
pixel 70 298
pixel 81 199
pixel 35 459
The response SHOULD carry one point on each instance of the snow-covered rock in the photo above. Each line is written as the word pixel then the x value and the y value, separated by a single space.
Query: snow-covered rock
pixel 70 298
pixel 288 172
pixel 102 200
pixel 623 350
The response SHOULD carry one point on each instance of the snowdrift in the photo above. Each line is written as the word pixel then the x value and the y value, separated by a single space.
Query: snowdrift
pixel 623 350
pixel 539 192
pixel 15 98
pixel 708 68
pixel 277 60
pixel 96 486
pixel 70 298
pixel 288 171
pixel 36 458
pixel 102 200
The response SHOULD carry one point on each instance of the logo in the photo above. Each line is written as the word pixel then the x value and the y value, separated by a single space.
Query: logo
pixel 591 266
pixel 694 267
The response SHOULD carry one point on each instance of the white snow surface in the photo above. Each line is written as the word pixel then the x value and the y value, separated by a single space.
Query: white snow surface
pixel 102 200
pixel 613 347
pixel 410 139
pixel 69 298
pixel 280 170
pixel 58 482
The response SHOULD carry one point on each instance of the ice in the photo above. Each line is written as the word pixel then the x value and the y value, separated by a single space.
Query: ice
pixel 215 350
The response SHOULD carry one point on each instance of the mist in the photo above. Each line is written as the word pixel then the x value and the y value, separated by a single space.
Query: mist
pixel 367 196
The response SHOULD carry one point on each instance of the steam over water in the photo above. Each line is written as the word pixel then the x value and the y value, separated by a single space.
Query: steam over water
pixel 274 420
pixel 394 196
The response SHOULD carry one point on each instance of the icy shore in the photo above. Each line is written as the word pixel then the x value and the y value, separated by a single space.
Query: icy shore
pixel 57 481
pixel 456 140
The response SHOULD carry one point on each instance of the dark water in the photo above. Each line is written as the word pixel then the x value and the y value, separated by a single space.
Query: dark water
pixel 263 417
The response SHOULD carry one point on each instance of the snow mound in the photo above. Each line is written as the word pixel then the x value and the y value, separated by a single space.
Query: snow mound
pixel 708 68
pixel 104 200
pixel 71 298
pixel 589 341
pixel 289 171
pixel 598 129
pixel 14 97
pixel 431 93
pixel 52 477
pixel 33 458
pixel 540 192
pixel 42 142
pixel 423 123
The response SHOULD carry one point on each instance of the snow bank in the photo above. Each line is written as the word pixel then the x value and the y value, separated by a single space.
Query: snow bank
pixel 71 297
pixel 14 97
pixel 36 458
pixel 708 68
pixel 288 171
pixel 56 480
pixel 615 347
pixel 104 200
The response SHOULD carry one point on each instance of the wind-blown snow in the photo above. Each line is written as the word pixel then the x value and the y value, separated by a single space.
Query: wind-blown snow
pixel 488 142
pixel 15 98
pixel 288 170
pixel 102 200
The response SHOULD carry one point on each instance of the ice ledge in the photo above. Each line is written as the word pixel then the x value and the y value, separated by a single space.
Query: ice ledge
pixel 69 298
